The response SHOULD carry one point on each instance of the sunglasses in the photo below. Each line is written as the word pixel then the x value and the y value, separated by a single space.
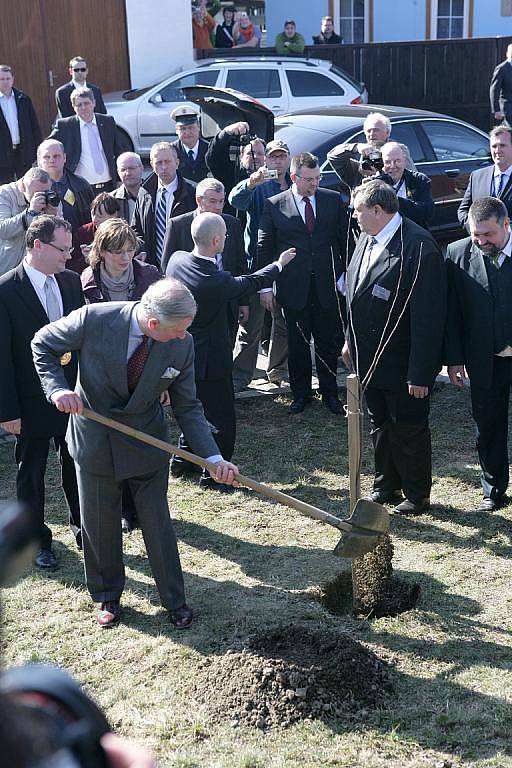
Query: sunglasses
pixel 79 69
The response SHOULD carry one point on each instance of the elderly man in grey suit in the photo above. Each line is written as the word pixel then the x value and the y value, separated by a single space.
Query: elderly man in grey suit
pixel 132 356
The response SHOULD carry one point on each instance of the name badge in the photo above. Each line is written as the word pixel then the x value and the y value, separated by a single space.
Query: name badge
pixel 381 293
pixel 69 197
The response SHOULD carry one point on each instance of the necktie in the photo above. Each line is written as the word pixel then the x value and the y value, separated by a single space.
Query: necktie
pixel 499 186
pixel 136 363
pixel 190 154
pixel 95 146
pixel 52 303
pixel 309 215
pixel 365 261
pixel 160 224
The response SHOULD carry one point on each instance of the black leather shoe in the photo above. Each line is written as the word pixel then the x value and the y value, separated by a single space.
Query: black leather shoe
pixel 183 469
pixel 78 539
pixel 333 404
pixel 408 507
pixel 109 614
pixel 490 505
pixel 298 405
pixel 46 560
pixel 182 617
pixel 209 484
pixel 386 497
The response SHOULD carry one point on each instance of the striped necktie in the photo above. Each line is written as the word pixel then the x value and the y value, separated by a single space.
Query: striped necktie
pixel 161 224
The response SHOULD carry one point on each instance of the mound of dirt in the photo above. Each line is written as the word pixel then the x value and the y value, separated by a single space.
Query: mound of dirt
pixel 292 673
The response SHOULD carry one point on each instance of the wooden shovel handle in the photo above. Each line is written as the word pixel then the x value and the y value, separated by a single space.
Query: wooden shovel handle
pixel 289 501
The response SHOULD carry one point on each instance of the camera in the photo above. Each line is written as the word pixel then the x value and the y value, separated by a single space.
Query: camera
pixel 51 198
pixel 46 720
pixel 372 161
pixel 245 139
pixel 269 174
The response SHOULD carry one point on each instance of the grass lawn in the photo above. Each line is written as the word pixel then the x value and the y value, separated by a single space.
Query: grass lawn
pixel 250 565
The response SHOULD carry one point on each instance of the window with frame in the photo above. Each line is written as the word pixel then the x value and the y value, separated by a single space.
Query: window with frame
pixel 450 18
pixel 312 84
pixel 352 20
pixel 258 83
pixel 173 92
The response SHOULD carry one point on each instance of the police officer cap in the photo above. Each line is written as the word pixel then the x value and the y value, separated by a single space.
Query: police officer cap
pixel 185 115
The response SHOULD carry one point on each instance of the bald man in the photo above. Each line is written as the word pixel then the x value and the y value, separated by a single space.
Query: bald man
pixel 130 170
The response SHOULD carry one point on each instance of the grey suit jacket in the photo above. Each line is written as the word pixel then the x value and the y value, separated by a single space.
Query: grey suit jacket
pixel 480 185
pixel 100 333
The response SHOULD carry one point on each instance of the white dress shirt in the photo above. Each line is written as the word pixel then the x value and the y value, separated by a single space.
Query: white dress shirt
pixel 301 205
pixel 8 106
pixel 169 200
pixel 38 279
pixel 85 166
pixel 383 237
pixel 194 149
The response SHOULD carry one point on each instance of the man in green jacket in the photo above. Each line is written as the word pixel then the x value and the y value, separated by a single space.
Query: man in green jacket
pixel 289 42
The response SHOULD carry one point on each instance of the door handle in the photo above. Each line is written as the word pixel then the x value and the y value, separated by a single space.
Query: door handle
pixel 453 172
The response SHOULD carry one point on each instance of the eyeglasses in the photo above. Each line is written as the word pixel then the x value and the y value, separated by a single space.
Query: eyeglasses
pixel 62 250
pixel 79 69
pixel 310 178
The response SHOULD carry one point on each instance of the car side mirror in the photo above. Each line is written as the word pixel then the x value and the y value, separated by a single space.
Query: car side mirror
pixel 156 99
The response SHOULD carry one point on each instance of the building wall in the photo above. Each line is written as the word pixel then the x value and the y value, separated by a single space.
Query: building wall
pixel 488 21
pixel 305 13
pixel 405 22
pixel 159 39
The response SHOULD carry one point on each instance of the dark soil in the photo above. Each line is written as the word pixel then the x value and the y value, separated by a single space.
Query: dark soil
pixel 396 596
pixel 292 673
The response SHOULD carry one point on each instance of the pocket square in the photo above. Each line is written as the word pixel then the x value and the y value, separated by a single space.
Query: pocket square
pixel 170 373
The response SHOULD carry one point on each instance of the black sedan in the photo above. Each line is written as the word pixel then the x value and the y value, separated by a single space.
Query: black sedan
pixel 444 148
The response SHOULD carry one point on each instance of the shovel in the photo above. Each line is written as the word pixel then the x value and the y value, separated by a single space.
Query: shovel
pixel 359 532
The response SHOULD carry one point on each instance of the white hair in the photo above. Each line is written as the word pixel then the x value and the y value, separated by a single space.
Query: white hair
pixel 209 184
pixel 48 143
pixel 377 117
pixel 169 301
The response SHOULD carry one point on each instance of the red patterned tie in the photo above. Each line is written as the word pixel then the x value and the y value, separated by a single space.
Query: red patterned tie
pixel 136 363
pixel 310 216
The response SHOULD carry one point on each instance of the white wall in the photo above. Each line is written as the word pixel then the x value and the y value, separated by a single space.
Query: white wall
pixel 159 39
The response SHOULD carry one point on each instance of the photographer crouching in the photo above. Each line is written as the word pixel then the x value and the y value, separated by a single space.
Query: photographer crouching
pixel 46 719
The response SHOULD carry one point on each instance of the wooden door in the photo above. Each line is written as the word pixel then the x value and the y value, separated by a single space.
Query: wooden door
pixel 41 36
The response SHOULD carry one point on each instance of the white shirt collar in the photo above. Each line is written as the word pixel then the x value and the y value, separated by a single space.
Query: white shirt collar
pixel 79 85
pixel 135 329
pixel 507 248
pixel 37 278
pixel 386 233
pixel 299 198
pixel 194 149
pixel 172 187
pixel 3 96
pixel 195 252
pixel 506 172
pixel 83 122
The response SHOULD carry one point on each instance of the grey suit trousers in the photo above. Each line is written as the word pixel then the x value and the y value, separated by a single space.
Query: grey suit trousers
pixel 101 500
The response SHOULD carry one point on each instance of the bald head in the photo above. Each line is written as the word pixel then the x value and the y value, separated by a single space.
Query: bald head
pixel 209 233
pixel 130 170
pixel 52 158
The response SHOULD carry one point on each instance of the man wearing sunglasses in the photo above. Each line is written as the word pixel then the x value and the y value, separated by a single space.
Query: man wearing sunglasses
pixel 37 291
pixel 78 71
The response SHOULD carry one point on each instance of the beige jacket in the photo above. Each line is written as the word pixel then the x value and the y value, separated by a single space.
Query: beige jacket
pixel 13 226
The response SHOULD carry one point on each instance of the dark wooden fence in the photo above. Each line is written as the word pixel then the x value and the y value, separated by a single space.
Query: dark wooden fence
pixel 450 76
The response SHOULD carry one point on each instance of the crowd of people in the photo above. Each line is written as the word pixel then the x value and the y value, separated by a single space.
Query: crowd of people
pixel 124 294
pixel 238 30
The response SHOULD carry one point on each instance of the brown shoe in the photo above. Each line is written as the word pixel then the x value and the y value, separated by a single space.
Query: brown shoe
pixel 109 614
pixel 182 617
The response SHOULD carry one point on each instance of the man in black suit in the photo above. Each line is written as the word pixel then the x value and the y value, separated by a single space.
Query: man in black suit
pixel 396 308
pixel 412 188
pixel 495 180
pixel 75 193
pixel 78 71
pixel 90 141
pixel 19 129
pixel 213 289
pixel 191 147
pixel 479 335
pixel 500 90
pixel 130 170
pixel 314 221
pixel 163 195
pixel 36 292
pixel 210 197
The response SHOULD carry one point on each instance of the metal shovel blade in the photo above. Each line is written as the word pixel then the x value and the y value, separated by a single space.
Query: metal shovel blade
pixel 369 520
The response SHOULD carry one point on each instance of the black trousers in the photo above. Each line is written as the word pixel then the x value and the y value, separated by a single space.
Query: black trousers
pixel 218 399
pixel 490 412
pixel 14 170
pixel 31 454
pixel 325 327
pixel 401 441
